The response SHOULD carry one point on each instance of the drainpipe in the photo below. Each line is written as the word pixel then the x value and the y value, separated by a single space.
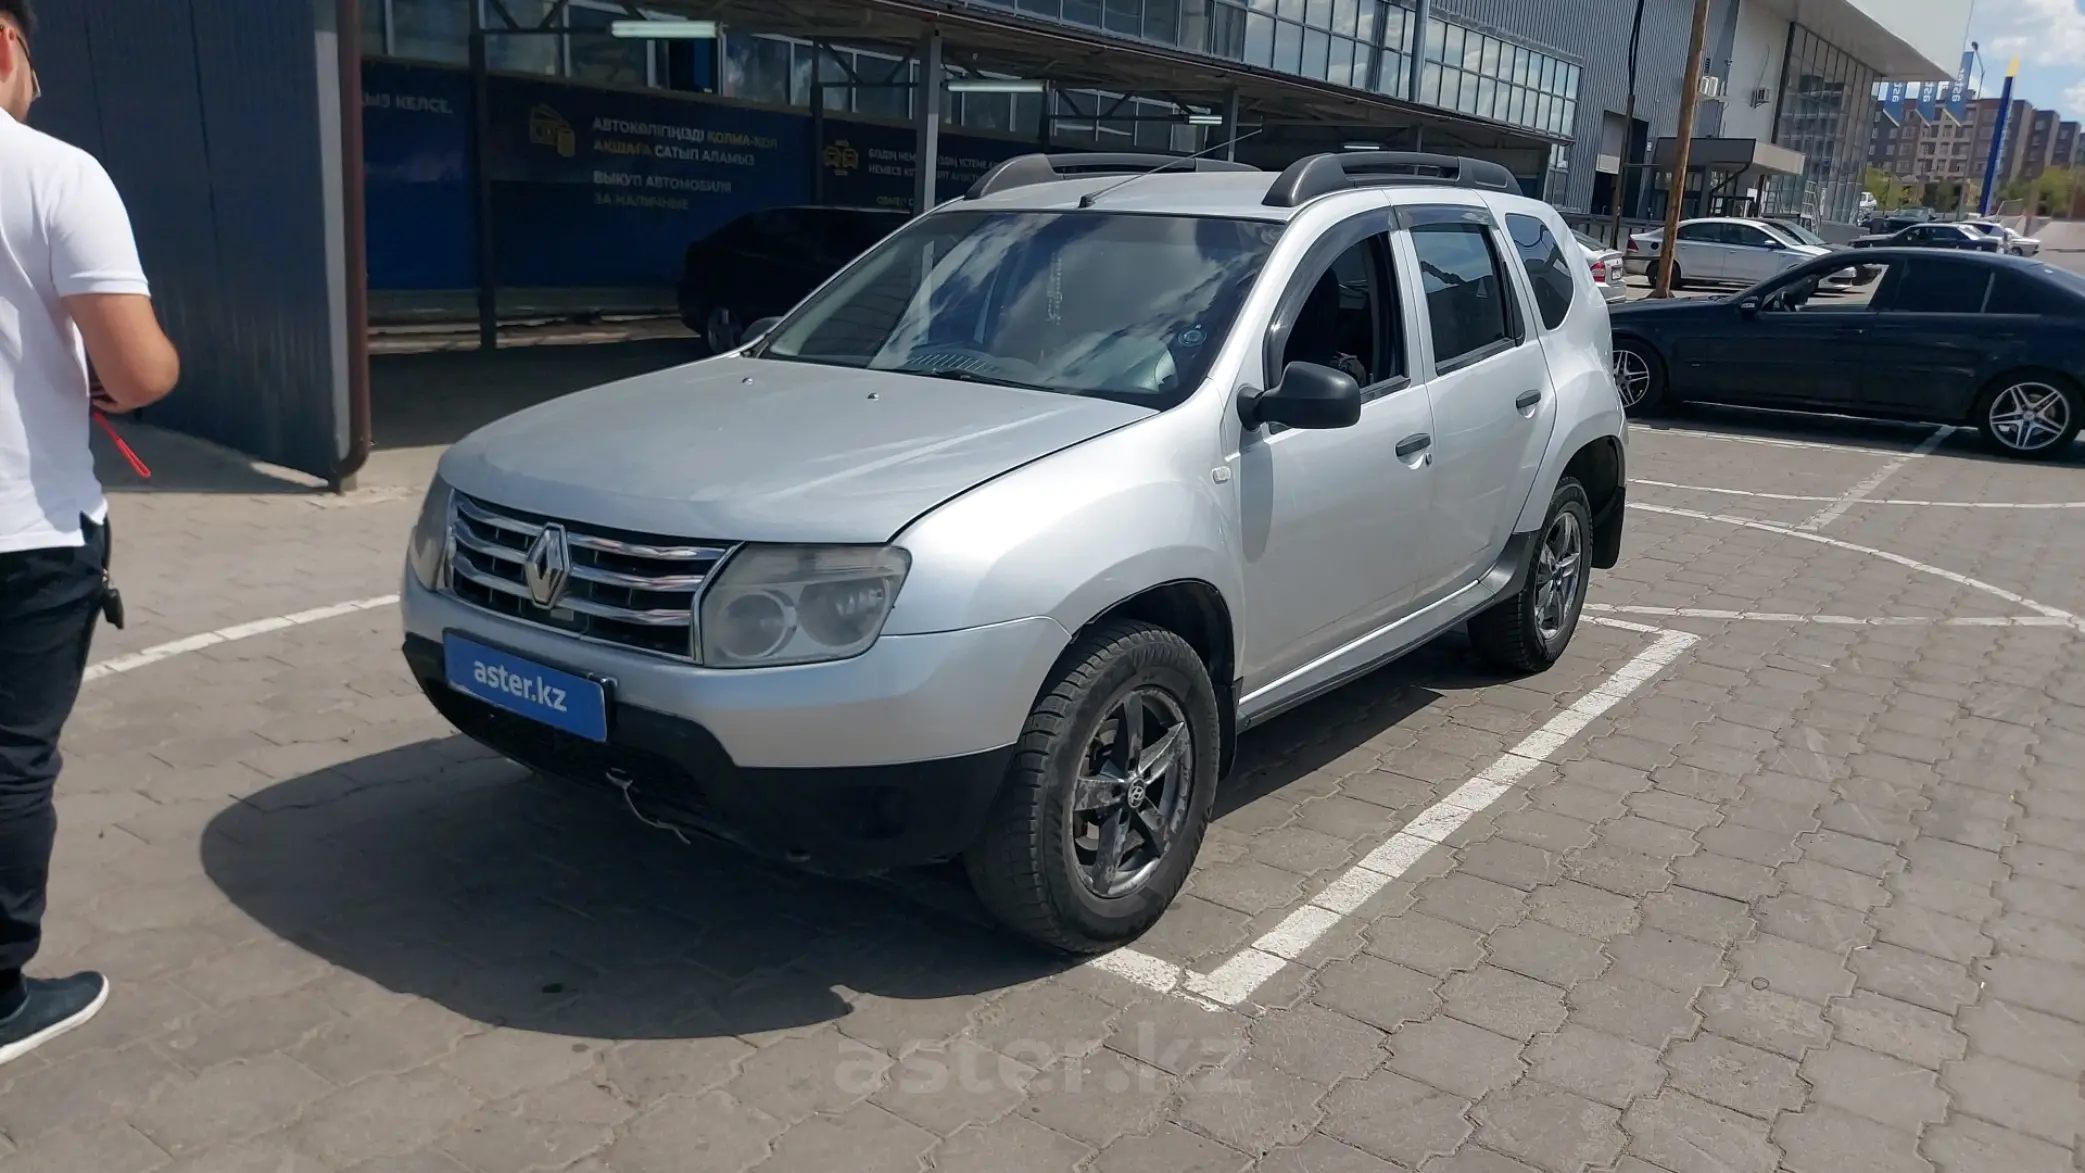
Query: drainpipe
pixel 1421 11
pixel 355 269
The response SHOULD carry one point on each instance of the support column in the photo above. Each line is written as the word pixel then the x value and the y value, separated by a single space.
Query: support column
pixel 1421 10
pixel 1230 125
pixel 481 189
pixel 818 123
pixel 926 147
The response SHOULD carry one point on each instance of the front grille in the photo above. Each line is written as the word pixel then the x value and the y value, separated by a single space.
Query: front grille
pixel 633 590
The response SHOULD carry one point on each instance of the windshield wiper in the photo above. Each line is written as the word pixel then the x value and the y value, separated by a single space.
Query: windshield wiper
pixel 965 377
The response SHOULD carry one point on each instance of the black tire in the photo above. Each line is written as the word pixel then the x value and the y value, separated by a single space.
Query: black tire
pixel 1652 398
pixel 722 328
pixel 1679 280
pixel 2072 408
pixel 1025 865
pixel 1511 633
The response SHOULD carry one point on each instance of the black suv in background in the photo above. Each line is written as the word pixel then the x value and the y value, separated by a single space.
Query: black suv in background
pixel 763 263
pixel 1956 236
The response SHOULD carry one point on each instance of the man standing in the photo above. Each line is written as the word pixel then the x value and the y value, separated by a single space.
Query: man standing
pixel 71 289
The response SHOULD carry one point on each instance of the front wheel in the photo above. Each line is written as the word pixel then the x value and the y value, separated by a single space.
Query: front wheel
pixel 2030 415
pixel 1106 801
pixel 722 330
pixel 1528 632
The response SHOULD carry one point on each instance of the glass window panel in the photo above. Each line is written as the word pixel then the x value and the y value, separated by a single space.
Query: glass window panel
pixel 1288 46
pixel 800 75
pixel 883 100
pixel 757 69
pixel 1494 51
pixel 1317 13
pixel 1487 97
pixel 1571 75
pixel 522 54
pixel 1125 17
pixel 1339 68
pixel 1430 84
pixel 1049 8
pixel 1085 12
pixel 1436 40
pixel 834 69
pixel 1262 5
pixel 1289 9
pixel 988 111
pixel 1259 39
pixel 1467 99
pixel 1226 32
pixel 1396 70
pixel 1162 21
pixel 1343 16
pixel 1473 51
pixel 1451 44
pixel 373 27
pixel 616 61
pixel 1317 54
pixel 431 30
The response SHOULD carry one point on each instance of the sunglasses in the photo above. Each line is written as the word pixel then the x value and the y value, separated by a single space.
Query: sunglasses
pixel 35 82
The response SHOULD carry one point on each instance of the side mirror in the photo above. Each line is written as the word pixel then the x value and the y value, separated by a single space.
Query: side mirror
pixel 1750 307
pixel 760 328
pixel 1308 396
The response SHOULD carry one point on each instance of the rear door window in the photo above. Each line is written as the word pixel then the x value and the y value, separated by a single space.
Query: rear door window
pixel 1939 287
pixel 1466 289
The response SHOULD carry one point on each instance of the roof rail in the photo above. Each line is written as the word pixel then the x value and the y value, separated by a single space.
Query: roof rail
pixel 1316 175
pixel 1027 170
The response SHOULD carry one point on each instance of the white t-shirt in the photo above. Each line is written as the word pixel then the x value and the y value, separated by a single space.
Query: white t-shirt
pixel 63 232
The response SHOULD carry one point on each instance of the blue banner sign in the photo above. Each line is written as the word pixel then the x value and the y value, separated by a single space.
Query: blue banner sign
pixel 606 188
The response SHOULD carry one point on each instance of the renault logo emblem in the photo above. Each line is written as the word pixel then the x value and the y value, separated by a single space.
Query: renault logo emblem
pixel 547 567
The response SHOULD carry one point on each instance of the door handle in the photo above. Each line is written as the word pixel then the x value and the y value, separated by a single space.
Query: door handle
pixel 1411 446
pixel 1852 331
pixel 1528 399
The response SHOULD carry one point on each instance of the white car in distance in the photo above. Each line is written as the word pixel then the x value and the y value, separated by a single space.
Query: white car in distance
pixel 1725 250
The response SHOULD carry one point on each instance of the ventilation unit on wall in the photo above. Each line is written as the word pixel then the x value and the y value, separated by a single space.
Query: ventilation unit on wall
pixel 1760 97
pixel 1711 87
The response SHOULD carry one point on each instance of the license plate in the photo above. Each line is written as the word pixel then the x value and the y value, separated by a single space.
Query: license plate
pixel 558 699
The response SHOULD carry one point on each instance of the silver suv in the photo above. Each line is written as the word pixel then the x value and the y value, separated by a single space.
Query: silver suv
pixel 992 547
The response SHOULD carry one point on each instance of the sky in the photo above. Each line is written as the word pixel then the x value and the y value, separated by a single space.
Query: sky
pixel 2048 36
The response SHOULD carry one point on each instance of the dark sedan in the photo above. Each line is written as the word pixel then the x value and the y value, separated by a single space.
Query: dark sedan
pixel 763 263
pixel 1955 236
pixel 1985 340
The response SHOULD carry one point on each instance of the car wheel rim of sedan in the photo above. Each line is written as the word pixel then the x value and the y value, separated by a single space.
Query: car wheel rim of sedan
pixel 1632 376
pixel 1559 576
pixel 723 329
pixel 2028 417
pixel 1131 799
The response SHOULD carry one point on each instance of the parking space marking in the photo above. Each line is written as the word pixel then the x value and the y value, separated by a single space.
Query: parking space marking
pixel 1874 481
pixel 224 635
pixel 1873 501
pixel 1842 620
pixel 1231 983
pixel 1769 441
pixel 2043 609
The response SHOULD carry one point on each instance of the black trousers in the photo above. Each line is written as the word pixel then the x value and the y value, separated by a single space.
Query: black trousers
pixel 49 602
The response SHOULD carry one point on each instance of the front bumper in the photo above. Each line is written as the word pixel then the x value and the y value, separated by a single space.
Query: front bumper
pixel 838 819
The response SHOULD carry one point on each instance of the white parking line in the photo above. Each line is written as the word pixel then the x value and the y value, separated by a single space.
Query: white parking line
pixel 1839 620
pixel 1236 979
pixel 1885 555
pixel 1768 441
pixel 224 635
pixel 1859 492
pixel 1880 501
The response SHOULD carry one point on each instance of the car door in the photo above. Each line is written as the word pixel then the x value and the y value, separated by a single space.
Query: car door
pixel 1751 255
pixel 1929 337
pixel 1784 352
pixel 1700 251
pixel 1332 521
pixel 1487 381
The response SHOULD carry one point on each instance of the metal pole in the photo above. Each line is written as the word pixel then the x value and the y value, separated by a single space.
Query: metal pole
pixel 818 123
pixel 1421 11
pixel 1045 120
pixel 926 151
pixel 481 182
pixel 2005 109
pixel 1683 149
pixel 1230 125
pixel 1621 175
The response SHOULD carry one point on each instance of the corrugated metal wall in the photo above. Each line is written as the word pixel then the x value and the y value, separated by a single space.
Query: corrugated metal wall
pixel 210 116
pixel 1596 34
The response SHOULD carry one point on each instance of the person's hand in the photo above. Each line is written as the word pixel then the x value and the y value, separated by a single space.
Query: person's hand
pixel 98 395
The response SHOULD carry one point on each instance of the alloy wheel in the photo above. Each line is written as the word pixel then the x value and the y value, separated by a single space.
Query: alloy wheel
pixel 1559 575
pixel 1632 376
pixel 2028 417
pixel 1132 797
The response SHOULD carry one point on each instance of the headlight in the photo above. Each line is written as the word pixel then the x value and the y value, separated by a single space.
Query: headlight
pixel 430 542
pixel 799 604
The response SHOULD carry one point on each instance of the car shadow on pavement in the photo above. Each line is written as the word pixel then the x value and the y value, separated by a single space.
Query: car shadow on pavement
pixel 440 870
pixel 1830 430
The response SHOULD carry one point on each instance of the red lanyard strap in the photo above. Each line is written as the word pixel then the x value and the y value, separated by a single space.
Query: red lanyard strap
pixel 137 466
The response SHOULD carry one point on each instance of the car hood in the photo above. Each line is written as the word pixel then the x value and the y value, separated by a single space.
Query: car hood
pixel 736 449
pixel 1653 308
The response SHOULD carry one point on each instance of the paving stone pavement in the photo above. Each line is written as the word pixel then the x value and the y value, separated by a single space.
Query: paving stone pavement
pixel 1812 900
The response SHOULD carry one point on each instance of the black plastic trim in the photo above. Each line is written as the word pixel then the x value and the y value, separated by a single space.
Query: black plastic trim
pixel 1316 175
pixel 1029 170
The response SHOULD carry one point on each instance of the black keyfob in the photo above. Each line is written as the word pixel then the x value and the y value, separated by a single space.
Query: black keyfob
pixel 112 605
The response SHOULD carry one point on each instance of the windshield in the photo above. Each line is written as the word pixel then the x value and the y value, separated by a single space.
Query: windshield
pixel 1801 234
pixel 1115 305
pixel 1591 245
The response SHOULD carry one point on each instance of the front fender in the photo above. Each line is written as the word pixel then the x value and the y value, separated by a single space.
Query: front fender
pixel 1074 534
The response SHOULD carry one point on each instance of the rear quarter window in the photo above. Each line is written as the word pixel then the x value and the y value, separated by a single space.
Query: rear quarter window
pixel 1550 271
